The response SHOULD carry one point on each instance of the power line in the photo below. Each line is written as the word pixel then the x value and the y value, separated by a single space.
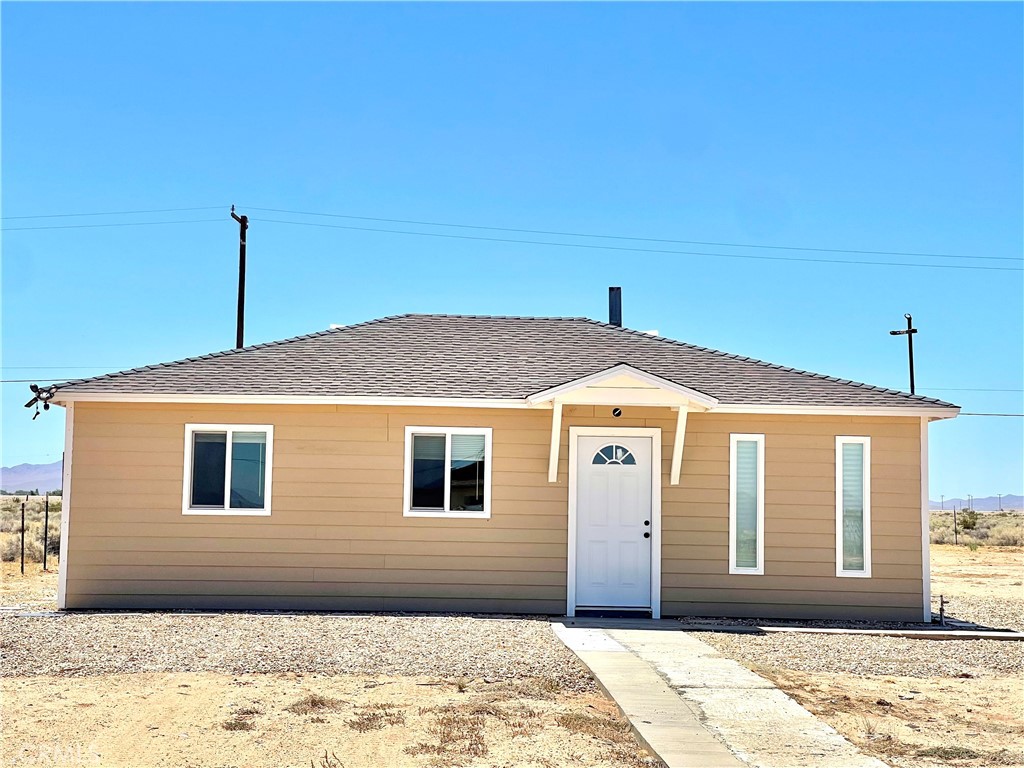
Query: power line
pixel 122 224
pixel 1013 415
pixel 640 250
pixel 113 213
pixel 966 389
pixel 643 239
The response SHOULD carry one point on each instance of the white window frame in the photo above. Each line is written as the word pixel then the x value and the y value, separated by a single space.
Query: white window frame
pixel 447 432
pixel 842 440
pixel 228 429
pixel 733 568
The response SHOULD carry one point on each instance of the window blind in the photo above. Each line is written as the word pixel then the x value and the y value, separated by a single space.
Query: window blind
pixel 746 504
pixel 853 506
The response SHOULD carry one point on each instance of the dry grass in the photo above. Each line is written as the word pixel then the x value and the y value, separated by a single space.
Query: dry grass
pixel 314 703
pixel 328 761
pixel 990 757
pixel 238 724
pixel 374 717
pixel 537 688
pixel 457 734
pixel 991 529
pixel 10 528
pixel 613 731
pixel 597 726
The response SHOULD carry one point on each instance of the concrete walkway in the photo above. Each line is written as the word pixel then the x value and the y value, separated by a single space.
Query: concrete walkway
pixel 693 707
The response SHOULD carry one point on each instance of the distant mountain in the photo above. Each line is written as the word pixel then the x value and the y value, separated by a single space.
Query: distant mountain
pixel 29 477
pixel 981 504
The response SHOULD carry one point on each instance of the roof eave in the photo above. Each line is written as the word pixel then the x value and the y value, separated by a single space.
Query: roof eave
pixel 929 411
pixel 925 409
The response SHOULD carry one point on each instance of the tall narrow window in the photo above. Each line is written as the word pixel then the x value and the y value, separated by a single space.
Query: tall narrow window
pixel 447 472
pixel 853 506
pixel 227 469
pixel 746 504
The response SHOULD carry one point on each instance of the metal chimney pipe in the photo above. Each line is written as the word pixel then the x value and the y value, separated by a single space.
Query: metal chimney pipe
pixel 615 306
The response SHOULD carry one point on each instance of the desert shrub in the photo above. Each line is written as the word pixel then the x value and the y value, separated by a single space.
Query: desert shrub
pixel 1008 537
pixel 968 519
pixel 52 538
pixel 943 535
pixel 10 551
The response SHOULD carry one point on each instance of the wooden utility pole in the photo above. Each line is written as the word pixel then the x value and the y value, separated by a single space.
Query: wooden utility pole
pixel 909 333
pixel 243 226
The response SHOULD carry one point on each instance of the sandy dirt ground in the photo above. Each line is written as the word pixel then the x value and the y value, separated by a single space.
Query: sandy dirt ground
pixel 912 721
pixel 35 591
pixel 177 719
pixel 932 721
pixel 985 571
pixel 207 719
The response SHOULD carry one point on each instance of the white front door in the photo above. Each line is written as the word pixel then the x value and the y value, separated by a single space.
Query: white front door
pixel 614 525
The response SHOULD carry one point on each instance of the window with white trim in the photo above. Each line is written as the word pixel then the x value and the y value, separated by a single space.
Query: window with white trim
pixel 746 504
pixel 227 469
pixel 853 506
pixel 447 472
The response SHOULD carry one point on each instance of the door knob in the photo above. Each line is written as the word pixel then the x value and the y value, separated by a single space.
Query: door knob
pixel 647 534
pixel 647 522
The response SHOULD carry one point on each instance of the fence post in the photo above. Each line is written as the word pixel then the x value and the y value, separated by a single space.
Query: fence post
pixel 23 538
pixel 46 527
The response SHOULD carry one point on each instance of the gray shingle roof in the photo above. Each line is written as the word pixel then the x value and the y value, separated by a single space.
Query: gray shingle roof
pixel 460 356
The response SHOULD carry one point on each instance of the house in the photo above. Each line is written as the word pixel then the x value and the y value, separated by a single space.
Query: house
pixel 495 464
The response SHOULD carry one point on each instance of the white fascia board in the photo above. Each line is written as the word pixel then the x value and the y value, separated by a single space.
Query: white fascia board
pixel 931 412
pixel 594 379
pixel 540 400
pixel 436 402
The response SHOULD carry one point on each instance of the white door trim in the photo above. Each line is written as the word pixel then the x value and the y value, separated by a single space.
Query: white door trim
pixel 656 471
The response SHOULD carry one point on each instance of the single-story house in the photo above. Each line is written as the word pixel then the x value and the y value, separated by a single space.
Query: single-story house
pixel 495 464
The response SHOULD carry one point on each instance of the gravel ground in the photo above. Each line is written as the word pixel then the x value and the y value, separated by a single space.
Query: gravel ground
pixel 78 645
pixel 859 655
pixel 994 612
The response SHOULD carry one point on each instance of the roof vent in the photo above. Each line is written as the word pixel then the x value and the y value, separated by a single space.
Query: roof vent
pixel 615 306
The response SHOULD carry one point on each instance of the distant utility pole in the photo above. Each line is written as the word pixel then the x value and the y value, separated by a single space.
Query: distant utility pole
pixel 942 502
pixel 1000 501
pixel 909 333
pixel 243 225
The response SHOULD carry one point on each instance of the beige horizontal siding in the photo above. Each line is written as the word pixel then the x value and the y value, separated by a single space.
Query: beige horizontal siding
pixel 799 529
pixel 337 538
pixel 795 610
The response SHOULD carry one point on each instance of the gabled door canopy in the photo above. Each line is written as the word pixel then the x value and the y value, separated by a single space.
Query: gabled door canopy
pixel 622 385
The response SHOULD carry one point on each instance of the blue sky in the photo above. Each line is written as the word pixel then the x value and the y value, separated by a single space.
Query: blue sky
pixel 870 127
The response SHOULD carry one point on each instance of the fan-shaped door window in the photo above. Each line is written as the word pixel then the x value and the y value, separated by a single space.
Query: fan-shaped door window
pixel 614 454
